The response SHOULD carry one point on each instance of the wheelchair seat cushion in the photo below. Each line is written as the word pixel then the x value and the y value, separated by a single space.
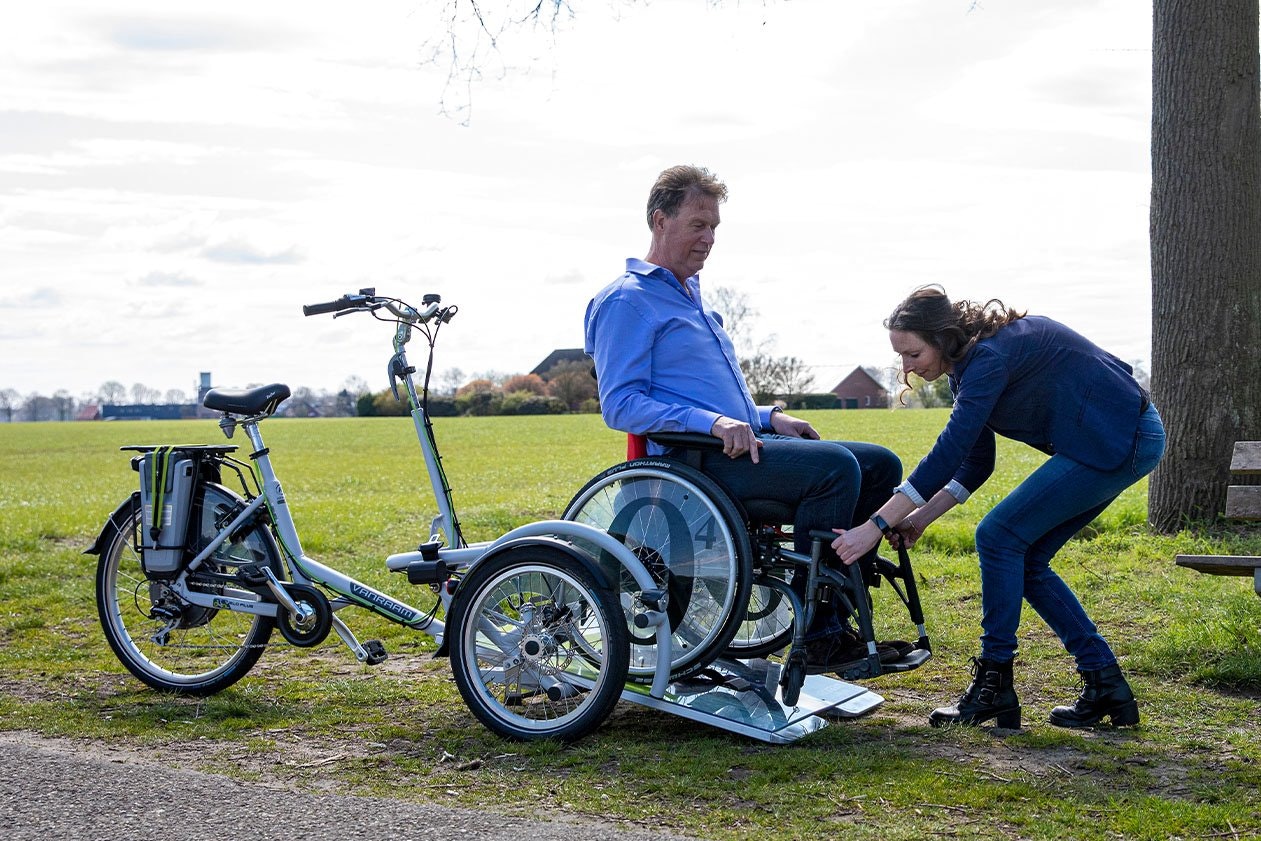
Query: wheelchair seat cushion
pixel 768 511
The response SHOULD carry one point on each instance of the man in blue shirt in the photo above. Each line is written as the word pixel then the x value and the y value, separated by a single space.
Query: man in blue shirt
pixel 665 364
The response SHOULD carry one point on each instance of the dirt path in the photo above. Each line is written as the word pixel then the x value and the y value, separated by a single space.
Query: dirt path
pixel 85 791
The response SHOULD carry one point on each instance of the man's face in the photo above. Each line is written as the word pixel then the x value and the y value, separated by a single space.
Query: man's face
pixel 682 242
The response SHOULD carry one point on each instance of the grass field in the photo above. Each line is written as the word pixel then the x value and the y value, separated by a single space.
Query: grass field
pixel 317 720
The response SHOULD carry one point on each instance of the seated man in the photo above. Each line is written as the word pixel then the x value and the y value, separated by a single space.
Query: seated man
pixel 665 364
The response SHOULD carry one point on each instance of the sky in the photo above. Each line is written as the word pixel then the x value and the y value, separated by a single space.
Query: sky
pixel 177 179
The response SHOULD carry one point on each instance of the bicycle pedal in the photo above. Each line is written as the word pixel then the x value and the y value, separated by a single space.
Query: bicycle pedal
pixel 376 652
pixel 251 575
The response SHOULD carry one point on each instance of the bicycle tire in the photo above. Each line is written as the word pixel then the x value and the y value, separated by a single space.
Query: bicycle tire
pixel 538 649
pixel 166 642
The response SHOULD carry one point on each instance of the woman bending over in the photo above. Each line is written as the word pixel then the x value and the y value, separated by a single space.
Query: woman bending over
pixel 1034 380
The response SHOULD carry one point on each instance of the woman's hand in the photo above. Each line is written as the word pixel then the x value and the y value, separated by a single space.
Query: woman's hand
pixel 853 543
pixel 905 534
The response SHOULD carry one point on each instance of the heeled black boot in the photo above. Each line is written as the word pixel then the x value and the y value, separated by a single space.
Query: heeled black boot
pixel 1104 694
pixel 989 695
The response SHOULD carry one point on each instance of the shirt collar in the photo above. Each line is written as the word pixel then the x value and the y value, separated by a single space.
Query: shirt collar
pixel 645 269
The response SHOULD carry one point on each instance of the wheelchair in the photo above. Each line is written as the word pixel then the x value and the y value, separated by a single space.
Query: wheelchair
pixel 735 588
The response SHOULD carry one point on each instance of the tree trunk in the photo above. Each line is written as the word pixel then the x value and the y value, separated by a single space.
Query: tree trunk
pixel 1206 249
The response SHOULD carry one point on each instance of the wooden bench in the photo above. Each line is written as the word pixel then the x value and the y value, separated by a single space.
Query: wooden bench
pixel 1243 502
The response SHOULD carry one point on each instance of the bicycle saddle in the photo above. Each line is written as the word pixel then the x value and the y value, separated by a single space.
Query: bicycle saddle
pixel 262 400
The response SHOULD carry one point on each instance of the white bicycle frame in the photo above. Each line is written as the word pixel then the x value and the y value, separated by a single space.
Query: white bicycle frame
pixel 305 570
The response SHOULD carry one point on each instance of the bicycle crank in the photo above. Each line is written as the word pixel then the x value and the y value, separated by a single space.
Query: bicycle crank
pixel 308 621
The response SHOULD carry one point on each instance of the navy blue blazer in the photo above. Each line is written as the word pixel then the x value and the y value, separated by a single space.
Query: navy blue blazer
pixel 1039 382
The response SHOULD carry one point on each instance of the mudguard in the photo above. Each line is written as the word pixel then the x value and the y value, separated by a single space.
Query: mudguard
pixel 114 524
pixel 568 549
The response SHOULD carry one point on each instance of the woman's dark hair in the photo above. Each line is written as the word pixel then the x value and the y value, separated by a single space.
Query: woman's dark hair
pixel 952 328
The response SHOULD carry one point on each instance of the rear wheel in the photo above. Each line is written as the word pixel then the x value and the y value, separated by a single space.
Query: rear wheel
pixel 538 649
pixel 767 625
pixel 167 642
pixel 691 539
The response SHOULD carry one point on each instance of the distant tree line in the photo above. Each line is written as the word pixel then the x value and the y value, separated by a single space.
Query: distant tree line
pixel 567 387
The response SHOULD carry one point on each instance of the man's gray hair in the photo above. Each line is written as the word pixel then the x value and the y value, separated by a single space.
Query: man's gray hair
pixel 673 186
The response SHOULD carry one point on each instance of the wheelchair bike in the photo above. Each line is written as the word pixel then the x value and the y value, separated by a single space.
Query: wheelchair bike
pixel 656 587
pixel 736 591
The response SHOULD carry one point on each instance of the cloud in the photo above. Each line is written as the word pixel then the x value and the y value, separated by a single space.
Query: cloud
pixel 183 35
pixel 239 251
pixel 168 279
pixel 571 278
pixel 40 298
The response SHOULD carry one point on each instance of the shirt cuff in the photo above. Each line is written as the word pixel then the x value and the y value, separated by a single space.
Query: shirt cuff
pixel 909 490
pixel 959 492
pixel 701 420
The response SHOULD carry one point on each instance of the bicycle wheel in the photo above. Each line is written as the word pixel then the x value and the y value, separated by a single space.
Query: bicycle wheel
pixel 690 537
pixel 538 649
pixel 167 642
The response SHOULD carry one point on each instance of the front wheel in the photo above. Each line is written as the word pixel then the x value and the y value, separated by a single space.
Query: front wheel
pixel 538 649
pixel 167 642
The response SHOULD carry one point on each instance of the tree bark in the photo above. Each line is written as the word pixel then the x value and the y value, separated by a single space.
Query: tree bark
pixel 1205 249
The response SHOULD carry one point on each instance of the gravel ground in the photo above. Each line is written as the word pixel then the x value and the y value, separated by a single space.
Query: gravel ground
pixel 70 791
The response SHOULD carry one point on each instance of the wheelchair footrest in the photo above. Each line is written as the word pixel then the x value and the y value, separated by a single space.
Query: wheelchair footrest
pixel 874 667
pixel 862 669
pixel 914 660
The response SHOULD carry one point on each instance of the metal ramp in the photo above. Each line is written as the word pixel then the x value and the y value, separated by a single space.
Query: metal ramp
pixel 743 696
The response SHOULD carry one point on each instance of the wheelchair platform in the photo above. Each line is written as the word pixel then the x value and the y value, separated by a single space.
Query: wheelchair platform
pixel 743 696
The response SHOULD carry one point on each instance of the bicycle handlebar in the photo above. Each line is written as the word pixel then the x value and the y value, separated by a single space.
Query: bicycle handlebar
pixel 343 303
pixel 367 300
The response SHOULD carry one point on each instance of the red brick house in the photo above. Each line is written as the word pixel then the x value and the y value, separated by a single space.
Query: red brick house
pixel 860 390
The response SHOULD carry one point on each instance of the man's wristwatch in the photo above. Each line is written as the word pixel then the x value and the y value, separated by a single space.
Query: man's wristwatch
pixel 880 523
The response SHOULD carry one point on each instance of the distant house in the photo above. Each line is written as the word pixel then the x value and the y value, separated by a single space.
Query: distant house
pixel 860 390
pixel 561 356
pixel 149 411
pixel 90 411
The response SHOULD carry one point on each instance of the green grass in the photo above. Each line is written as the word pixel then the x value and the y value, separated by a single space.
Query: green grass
pixel 317 720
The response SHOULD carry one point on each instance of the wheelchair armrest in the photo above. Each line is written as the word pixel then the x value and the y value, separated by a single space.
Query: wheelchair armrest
pixel 686 440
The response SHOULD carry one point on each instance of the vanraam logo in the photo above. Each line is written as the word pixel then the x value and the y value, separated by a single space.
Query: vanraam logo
pixel 384 602
pixel 223 604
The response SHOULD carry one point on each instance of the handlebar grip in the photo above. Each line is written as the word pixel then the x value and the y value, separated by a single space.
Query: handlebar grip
pixel 332 306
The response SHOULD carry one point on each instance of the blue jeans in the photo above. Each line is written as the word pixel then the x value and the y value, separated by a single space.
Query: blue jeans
pixel 1017 539
pixel 830 484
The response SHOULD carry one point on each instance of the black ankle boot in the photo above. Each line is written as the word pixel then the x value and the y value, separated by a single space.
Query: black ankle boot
pixel 989 695
pixel 1104 694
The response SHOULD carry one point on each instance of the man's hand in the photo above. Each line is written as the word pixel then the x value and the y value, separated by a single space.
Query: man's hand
pixel 737 438
pixel 786 424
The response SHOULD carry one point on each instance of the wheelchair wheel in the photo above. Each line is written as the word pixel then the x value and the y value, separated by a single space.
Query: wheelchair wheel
pixel 538 648
pixel 690 536
pixel 165 641
pixel 767 625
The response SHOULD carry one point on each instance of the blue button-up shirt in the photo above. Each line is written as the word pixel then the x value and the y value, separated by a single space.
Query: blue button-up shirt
pixel 663 362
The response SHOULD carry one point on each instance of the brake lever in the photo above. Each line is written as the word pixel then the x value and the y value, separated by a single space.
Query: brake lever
pixel 363 305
